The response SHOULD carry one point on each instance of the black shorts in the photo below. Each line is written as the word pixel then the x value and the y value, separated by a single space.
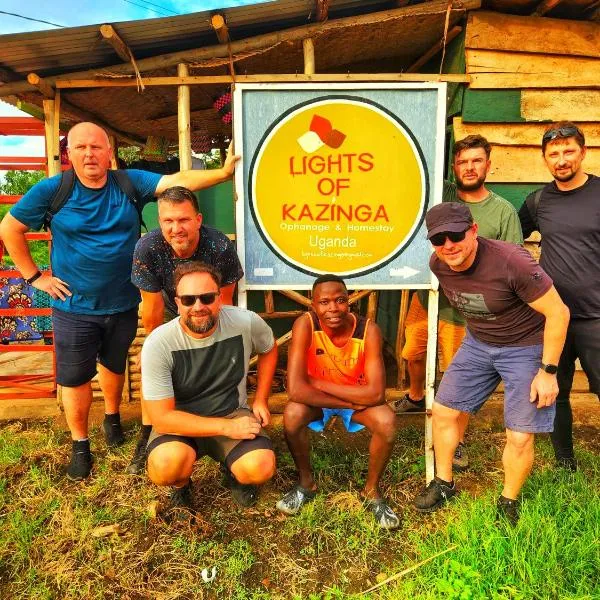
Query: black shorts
pixel 83 340
pixel 223 449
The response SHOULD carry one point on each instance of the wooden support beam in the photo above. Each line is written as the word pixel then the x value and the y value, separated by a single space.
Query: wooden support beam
pixel 434 50
pixel 219 25
pixel 296 297
pixel 183 121
pixel 41 84
pixel 372 306
pixel 321 10
pixel 51 134
pixel 545 6
pixel 267 78
pixel 269 302
pixel 110 36
pixel 259 42
pixel 308 49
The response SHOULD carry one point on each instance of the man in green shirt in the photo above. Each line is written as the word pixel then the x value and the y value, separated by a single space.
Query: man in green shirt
pixel 498 220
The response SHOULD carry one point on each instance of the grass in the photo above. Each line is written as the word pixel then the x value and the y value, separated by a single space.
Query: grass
pixel 52 545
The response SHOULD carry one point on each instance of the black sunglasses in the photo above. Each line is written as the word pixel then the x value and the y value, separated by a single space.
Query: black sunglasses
pixel 439 239
pixel 206 299
pixel 560 132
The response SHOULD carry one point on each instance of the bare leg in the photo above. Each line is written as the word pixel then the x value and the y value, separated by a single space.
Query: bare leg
pixel 381 422
pixel 296 418
pixel 254 468
pixel 518 461
pixel 416 373
pixel 446 435
pixel 111 385
pixel 463 423
pixel 77 402
pixel 171 464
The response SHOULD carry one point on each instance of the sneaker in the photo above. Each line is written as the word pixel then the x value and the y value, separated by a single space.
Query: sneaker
pixel 244 495
pixel 386 518
pixel 460 460
pixel 295 499
pixel 434 496
pixel 569 463
pixel 81 463
pixel 113 433
pixel 180 504
pixel 406 405
pixel 138 463
pixel 507 509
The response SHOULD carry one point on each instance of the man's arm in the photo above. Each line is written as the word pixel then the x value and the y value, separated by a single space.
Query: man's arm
pixel 527 223
pixel 199 179
pixel 166 419
pixel 267 363
pixel 371 394
pixel 153 310
pixel 12 233
pixel 299 388
pixel 544 387
pixel 227 292
pixel 510 228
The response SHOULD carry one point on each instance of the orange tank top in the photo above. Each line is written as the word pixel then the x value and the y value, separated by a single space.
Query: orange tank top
pixel 345 365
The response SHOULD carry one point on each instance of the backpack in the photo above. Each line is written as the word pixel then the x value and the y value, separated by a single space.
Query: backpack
pixel 532 203
pixel 67 181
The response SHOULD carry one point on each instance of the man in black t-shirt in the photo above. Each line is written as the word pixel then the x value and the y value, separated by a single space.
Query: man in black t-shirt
pixel 181 238
pixel 516 327
pixel 566 212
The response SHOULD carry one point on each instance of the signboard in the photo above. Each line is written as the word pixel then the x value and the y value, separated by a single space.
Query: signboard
pixel 336 178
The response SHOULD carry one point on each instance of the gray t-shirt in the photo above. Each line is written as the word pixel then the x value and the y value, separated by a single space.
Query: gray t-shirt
pixel 207 376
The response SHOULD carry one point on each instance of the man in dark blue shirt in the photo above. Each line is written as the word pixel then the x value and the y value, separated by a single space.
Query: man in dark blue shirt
pixel 94 302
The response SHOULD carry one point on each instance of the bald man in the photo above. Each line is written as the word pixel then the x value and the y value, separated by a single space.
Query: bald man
pixel 94 303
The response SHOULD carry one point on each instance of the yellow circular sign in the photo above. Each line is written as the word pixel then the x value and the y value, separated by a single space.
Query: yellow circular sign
pixel 338 186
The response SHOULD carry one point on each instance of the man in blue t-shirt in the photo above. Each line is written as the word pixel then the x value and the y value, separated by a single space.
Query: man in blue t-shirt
pixel 94 303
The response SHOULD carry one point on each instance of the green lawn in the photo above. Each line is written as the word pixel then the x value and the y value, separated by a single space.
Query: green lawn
pixel 52 544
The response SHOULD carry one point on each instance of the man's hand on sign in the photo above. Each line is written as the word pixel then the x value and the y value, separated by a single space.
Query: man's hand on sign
pixel 53 286
pixel 229 164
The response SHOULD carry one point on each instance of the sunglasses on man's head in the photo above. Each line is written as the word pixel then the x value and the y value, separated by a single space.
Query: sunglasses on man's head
pixel 559 132
pixel 439 239
pixel 206 299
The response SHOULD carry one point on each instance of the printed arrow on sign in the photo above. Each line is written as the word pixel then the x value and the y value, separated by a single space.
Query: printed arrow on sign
pixel 404 272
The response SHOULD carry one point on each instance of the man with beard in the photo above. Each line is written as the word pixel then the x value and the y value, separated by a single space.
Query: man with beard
pixel 497 220
pixel 335 367
pixel 194 379
pixel 182 237
pixel 565 212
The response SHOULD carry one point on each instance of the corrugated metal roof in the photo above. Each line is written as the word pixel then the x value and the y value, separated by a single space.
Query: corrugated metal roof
pixel 79 48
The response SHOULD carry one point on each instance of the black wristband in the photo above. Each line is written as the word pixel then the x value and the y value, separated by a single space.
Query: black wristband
pixel 33 278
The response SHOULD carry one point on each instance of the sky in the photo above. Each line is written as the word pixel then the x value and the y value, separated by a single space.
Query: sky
pixel 73 13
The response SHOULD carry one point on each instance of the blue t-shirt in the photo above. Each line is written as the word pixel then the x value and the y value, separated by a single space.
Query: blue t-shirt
pixel 93 238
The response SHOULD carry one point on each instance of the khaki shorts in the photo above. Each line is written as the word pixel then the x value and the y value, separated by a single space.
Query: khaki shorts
pixel 223 449
pixel 450 336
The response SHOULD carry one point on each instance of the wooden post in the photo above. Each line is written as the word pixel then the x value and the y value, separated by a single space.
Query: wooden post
pixel 269 302
pixel 430 370
pixel 183 120
pixel 404 297
pixel 309 56
pixel 372 306
pixel 114 164
pixel 52 141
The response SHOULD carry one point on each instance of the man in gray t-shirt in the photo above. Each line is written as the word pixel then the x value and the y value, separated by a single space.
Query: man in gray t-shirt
pixel 194 379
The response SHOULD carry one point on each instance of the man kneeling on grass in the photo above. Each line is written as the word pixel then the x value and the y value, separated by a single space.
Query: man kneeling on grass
pixel 194 372
pixel 335 367
pixel 516 328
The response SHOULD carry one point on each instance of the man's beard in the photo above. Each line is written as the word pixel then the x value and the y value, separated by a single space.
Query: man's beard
pixel 470 187
pixel 565 178
pixel 206 325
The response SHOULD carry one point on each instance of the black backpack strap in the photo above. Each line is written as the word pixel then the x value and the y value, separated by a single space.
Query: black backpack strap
pixel 61 195
pixel 533 201
pixel 127 187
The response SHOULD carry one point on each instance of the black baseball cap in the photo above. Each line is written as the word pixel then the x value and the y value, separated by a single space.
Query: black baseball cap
pixel 448 216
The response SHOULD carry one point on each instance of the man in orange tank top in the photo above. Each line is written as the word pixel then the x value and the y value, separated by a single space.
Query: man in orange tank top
pixel 335 367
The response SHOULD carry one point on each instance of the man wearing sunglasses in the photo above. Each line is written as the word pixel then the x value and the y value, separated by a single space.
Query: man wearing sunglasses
pixel 194 372
pixel 516 327
pixel 497 220
pixel 335 367
pixel 565 212
pixel 182 237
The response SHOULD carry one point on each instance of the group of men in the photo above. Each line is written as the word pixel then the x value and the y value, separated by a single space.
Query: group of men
pixel 195 359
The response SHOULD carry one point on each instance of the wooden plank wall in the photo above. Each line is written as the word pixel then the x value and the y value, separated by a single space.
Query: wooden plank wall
pixel 526 72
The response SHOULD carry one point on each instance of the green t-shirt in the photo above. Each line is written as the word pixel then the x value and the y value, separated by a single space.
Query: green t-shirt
pixel 497 220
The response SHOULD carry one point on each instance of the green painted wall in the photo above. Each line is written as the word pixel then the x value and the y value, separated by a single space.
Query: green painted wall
pixel 492 106
pixel 515 193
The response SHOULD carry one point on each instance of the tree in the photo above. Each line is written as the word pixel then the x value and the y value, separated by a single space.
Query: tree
pixel 17 183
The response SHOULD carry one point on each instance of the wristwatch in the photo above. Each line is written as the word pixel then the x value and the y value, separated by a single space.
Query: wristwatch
pixel 552 369
pixel 33 278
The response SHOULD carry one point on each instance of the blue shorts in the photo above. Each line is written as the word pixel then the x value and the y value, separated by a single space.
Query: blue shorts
pixel 476 371
pixel 83 340
pixel 344 413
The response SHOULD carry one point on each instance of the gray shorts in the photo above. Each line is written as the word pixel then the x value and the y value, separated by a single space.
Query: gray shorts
pixel 223 449
pixel 476 371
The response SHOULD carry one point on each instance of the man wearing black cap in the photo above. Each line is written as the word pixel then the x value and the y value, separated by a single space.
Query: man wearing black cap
pixel 565 212
pixel 504 295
